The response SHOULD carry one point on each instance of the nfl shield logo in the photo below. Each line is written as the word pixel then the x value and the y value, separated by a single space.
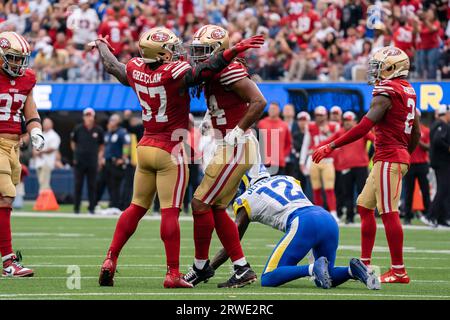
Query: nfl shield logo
pixel 13 83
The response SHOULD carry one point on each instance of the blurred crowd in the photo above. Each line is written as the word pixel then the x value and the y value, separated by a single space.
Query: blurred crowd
pixel 328 40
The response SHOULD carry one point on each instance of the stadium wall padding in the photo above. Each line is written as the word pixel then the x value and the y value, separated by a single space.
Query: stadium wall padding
pixel 304 95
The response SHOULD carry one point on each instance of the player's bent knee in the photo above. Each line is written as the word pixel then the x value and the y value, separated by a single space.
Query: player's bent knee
pixel 198 206
pixel 6 202
pixel 269 279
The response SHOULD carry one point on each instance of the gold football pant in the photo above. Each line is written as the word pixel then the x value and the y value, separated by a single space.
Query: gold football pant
pixel 10 167
pixel 224 173
pixel 383 187
pixel 161 172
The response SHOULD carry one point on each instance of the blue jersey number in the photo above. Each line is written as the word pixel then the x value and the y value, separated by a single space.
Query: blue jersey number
pixel 288 195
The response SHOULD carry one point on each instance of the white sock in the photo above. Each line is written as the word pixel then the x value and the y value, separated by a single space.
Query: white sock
pixel 240 262
pixel 310 269
pixel 199 263
pixel 7 257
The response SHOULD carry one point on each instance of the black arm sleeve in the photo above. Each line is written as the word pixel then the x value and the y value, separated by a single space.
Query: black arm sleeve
pixel 205 70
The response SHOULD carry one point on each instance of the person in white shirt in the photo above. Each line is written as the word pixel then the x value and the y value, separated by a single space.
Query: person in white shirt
pixel 83 22
pixel 44 160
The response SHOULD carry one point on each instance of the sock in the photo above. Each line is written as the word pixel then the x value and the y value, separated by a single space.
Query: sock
pixel 126 225
pixel 368 233
pixel 200 263
pixel 5 232
pixel 228 234
pixel 317 196
pixel 394 236
pixel 284 274
pixel 203 228
pixel 331 200
pixel 170 235
pixel 339 275
pixel 240 262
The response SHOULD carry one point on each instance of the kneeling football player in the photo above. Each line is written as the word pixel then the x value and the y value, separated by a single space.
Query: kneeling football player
pixel 279 202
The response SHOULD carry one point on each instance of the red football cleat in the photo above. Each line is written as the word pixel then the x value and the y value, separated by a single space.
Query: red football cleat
pixel 13 268
pixel 176 281
pixel 106 278
pixel 392 277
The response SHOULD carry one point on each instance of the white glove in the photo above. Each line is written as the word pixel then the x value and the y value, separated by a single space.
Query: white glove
pixel 234 136
pixel 37 139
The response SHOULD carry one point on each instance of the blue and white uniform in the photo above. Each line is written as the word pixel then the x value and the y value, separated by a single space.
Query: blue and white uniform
pixel 280 203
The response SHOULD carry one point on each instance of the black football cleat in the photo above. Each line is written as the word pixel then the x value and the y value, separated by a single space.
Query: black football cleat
pixel 195 275
pixel 242 276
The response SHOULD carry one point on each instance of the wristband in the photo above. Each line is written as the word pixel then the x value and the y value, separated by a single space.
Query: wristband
pixel 32 120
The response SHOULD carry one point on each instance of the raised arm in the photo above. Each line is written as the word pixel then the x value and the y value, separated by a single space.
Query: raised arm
pixel 110 62
pixel 205 70
pixel 242 222
pixel 380 104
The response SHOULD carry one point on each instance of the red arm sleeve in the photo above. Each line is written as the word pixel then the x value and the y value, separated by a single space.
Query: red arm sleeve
pixel 355 133
pixel 330 139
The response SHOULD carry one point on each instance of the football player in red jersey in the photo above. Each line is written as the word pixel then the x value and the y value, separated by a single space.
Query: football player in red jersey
pixel 234 104
pixel 397 133
pixel 322 174
pixel 16 98
pixel 161 81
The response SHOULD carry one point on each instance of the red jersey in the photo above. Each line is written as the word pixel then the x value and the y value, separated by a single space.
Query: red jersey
pixel 225 106
pixel 164 108
pixel 410 7
pixel 420 155
pixel 393 132
pixel 277 141
pixel 429 39
pixel 352 155
pixel 116 31
pixel 403 39
pixel 13 94
pixel 315 135
pixel 319 134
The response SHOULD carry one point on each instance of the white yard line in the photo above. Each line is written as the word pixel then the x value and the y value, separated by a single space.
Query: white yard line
pixel 230 294
pixel 152 266
pixel 182 218
pixel 119 277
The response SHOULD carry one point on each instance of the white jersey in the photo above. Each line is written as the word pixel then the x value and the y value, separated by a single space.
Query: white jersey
pixel 271 201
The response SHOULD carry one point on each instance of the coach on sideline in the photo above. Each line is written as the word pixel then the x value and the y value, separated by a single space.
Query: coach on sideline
pixel 440 162
pixel 87 143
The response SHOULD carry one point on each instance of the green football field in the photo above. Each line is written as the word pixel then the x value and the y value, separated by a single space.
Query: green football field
pixel 66 253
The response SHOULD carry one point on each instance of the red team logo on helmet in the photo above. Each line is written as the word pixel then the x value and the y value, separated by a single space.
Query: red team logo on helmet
pixel 160 36
pixel 5 44
pixel 218 34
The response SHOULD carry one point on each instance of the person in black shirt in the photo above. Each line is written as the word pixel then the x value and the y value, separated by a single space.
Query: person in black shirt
pixel 440 162
pixel 87 143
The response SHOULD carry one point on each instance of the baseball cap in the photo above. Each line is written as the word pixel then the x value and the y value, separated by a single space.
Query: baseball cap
pixel 336 109
pixel 303 115
pixel 89 111
pixel 320 110
pixel 83 1
pixel 442 109
pixel 349 115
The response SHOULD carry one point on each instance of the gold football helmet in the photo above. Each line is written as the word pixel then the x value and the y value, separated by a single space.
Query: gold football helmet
pixel 387 63
pixel 14 54
pixel 160 44
pixel 207 41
